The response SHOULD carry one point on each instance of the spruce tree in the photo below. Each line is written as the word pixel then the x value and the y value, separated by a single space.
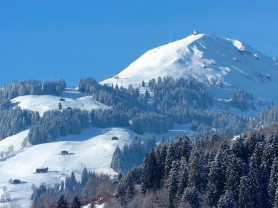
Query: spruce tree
pixel 275 204
pixel 76 203
pixel 183 178
pixel 227 200
pixel 191 196
pixel 62 203
pixel 244 193
pixel 273 181
pixel 173 184
pixel 84 177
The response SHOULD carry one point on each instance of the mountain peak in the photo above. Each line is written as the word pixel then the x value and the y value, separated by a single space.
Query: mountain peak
pixel 220 63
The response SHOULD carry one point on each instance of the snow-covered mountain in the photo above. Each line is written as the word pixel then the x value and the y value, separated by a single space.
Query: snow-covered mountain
pixel 221 63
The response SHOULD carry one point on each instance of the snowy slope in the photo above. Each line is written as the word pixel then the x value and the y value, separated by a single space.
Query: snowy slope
pixel 93 149
pixel 212 60
pixel 73 99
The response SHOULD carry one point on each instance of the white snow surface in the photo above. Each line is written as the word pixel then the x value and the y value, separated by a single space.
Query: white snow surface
pixel 73 99
pixel 212 60
pixel 93 149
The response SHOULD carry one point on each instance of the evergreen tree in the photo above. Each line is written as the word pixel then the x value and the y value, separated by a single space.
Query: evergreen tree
pixel 84 177
pixel 254 183
pixel 227 200
pixel 275 204
pixel 244 193
pixel 183 179
pixel 173 184
pixel 62 202
pixel 191 196
pixel 146 175
pixel 273 181
pixel 76 203
pixel 168 163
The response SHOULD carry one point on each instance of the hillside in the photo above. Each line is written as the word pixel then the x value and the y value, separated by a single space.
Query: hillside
pixel 223 64
pixel 70 98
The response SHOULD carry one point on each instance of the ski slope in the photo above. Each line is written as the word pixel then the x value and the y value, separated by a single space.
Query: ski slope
pixel 223 64
pixel 72 98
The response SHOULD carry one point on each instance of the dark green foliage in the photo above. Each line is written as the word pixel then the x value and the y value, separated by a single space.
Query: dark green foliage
pixel 227 200
pixel 173 184
pixel 109 118
pixel 15 120
pixel 244 193
pixel 118 98
pixel 76 203
pixel 151 122
pixel 62 202
pixel 242 100
pixel 56 123
pixel 191 197
pixel 132 154
pixel 31 87
pixel 273 181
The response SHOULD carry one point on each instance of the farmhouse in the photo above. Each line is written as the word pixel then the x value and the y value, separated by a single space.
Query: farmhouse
pixel 41 170
pixel 64 152
pixel 115 138
pixel 16 181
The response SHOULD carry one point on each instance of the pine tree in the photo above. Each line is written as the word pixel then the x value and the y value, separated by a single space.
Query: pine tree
pixel 62 203
pixel 84 177
pixel 145 176
pixel 227 200
pixel 76 203
pixel 215 186
pixel 191 197
pixel 173 184
pixel 275 204
pixel 168 163
pixel 273 182
pixel 244 193
pixel 264 184
pixel 254 185
pixel 130 190
pixel 183 179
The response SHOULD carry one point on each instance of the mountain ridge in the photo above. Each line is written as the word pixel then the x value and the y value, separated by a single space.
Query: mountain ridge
pixel 223 64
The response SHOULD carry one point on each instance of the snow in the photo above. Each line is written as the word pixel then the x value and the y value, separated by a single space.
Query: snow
pixel 43 103
pixel 93 149
pixel 209 59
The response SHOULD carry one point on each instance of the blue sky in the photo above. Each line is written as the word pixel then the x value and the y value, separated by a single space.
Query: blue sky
pixel 88 38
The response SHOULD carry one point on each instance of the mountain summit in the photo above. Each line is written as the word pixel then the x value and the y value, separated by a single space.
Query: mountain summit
pixel 221 63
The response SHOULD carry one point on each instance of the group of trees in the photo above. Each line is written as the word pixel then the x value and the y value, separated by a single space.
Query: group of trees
pixel 57 123
pixel 114 96
pixel 71 193
pixel 109 118
pixel 31 87
pixel 211 173
pixel 187 93
pixel 15 120
pixel 265 118
pixel 242 100
pixel 151 122
pixel 131 154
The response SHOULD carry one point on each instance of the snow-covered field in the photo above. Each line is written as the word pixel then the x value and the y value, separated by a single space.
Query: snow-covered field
pixel 223 64
pixel 92 149
pixel 72 98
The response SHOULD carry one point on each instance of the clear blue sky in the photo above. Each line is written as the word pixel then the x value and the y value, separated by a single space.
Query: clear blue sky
pixel 48 39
